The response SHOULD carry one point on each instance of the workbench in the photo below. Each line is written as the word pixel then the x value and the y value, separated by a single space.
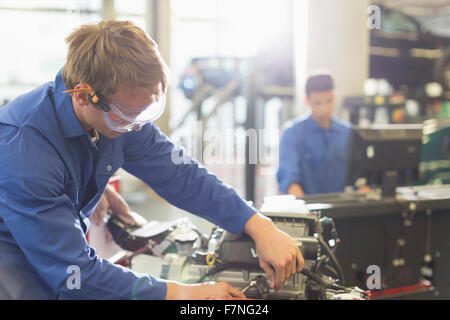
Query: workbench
pixel 394 234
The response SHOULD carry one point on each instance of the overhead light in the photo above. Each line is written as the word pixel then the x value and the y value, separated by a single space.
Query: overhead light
pixel 384 88
pixel 433 89
pixel 412 108
pixel 370 87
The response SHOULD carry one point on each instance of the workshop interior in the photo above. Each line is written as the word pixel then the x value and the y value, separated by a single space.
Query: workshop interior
pixel 237 77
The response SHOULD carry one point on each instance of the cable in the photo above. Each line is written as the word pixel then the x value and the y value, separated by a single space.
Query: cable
pixel 332 270
pixel 315 277
pixel 333 258
pixel 335 235
pixel 219 268
pixel 318 263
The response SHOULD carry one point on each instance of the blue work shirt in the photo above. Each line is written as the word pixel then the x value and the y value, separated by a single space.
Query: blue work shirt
pixel 313 157
pixel 51 178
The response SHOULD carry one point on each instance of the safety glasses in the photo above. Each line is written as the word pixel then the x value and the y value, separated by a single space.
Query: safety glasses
pixel 121 118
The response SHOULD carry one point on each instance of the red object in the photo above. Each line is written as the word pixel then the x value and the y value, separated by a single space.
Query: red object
pixel 115 182
pixel 422 286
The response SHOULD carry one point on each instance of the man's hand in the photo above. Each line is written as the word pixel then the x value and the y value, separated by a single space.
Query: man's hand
pixel 296 189
pixel 120 208
pixel 279 256
pixel 219 290
pixel 116 204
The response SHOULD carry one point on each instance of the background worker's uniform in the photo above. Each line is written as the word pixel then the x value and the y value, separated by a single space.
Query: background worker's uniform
pixel 313 157
pixel 52 177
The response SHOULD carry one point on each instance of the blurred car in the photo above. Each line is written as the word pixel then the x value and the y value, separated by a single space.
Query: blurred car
pixel 405 52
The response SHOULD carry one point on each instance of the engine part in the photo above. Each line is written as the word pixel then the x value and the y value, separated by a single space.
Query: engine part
pixel 233 259
pixel 224 256
pixel 158 237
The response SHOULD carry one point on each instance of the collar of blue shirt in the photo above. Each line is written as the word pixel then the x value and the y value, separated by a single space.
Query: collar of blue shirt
pixel 69 121
pixel 314 126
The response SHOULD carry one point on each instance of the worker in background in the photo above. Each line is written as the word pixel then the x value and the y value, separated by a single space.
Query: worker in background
pixel 59 145
pixel 313 149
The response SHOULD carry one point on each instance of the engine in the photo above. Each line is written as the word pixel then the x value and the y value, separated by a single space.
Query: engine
pixel 191 257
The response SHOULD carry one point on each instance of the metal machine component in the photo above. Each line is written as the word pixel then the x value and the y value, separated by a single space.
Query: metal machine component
pixel 190 257
pixel 186 270
pixel 233 259
pixel 155 238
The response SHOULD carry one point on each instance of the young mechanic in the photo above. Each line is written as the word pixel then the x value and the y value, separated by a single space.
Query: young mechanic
pixel 313 149
pixel 59 145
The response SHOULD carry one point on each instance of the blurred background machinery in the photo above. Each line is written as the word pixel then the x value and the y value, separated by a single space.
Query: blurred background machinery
pixel 436 152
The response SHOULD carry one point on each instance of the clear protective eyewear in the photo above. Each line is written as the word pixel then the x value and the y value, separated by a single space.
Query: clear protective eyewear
pixel 121 118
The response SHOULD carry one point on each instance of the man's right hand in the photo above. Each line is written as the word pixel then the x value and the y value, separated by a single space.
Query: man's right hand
pixel 202 291
pixel 296 189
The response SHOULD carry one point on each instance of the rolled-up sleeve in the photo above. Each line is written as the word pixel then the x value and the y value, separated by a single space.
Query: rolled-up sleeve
pixel 46 226
pixel 182 181
pixel 289 160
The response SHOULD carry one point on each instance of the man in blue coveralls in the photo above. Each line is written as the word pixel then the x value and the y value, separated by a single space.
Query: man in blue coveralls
pixel 313 149
pixel 59 145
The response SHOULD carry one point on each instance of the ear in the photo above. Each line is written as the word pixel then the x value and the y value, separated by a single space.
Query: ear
pixel 307 102
pixel 81 97
pixel 335 95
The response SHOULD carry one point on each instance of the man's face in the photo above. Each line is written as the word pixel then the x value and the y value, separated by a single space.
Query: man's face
pixel 133 98
pixel 322 104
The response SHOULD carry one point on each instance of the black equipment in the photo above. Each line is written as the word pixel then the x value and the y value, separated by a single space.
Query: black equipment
pixel 387 156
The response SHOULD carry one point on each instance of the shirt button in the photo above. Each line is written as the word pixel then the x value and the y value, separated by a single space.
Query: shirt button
pixel 108 168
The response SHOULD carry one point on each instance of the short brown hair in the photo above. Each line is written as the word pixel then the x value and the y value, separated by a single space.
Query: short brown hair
pixel 112 53
pixel 319 81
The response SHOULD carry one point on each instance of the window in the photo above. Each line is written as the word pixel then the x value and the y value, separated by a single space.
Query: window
pixel 33 45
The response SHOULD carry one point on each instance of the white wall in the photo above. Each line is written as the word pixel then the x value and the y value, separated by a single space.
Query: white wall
pixel 332 35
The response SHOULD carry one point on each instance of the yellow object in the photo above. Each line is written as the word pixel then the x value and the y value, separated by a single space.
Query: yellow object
pixel 398 116
pixel 379 100
pixel 210 259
